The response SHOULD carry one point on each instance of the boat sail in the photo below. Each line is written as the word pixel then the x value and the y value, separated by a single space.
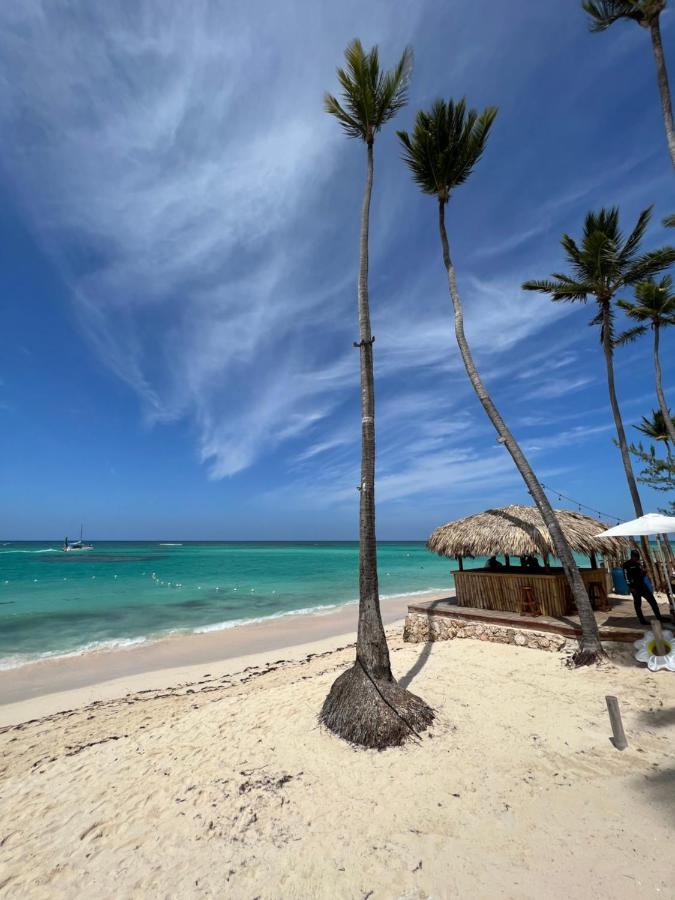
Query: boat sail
pixel 69 546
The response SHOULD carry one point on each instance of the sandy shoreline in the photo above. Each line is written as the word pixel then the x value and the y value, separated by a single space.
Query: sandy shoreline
pixel 49 685
pixel 228 786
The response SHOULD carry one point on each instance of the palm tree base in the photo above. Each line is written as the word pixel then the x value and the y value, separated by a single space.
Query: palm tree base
pixel 587 656
pixel 373 713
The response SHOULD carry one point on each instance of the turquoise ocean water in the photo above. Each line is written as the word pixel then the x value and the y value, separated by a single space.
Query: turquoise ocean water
pixel 54 603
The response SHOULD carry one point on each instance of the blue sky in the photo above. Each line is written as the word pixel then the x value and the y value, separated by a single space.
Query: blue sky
pixel 178 237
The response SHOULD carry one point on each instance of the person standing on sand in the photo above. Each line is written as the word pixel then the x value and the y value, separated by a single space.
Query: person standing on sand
pixel 639 586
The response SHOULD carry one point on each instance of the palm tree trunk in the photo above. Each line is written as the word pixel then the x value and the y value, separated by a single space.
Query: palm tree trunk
pixel 591 648
pixel 371 646
pixel 621 434
pixel 670 428
pixel 366 705
pixel 664 88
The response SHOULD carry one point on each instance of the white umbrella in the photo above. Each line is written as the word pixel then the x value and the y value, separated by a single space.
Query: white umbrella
pixel 652 523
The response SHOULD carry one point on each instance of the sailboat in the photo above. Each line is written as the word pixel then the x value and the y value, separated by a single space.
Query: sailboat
pixel 69 546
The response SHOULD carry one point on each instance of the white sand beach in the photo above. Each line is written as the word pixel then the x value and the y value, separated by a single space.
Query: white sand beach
pixel 63 682
pixel 224 784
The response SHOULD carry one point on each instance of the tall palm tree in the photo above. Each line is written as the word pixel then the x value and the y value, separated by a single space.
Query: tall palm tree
pixel 444 146
pixel 366 705
pixel 655 309
pixel 604 13
pixel 604 264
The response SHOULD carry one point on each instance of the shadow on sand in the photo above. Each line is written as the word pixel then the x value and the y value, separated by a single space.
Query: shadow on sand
pixel 421 660
pixel 661 788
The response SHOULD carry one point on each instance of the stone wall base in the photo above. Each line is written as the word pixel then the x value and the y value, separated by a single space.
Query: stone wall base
pixel 422 628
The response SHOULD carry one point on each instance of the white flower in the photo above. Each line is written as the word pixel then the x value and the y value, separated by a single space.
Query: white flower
pixel 645 652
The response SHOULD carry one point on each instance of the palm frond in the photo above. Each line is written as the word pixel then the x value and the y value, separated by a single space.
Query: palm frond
pixel 630 335
pixel 648 265
pixel 654 427
pixel 350 125
pixel 654 303
pixel 445 145
pixel 563 288
pixel 370 97
pixel 603 13
pixel 629 249
pixel 669 221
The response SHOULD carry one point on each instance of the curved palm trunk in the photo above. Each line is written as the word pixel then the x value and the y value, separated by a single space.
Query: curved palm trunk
pixel 670 428
pixel 620 432
pixel 591 647
pixel 664 87
pixel 371 646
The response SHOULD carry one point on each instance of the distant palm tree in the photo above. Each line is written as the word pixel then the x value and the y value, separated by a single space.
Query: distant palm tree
pixel 669 221
pixel 604 13
pixel 604 264
pixel 655 309
pixel 656 429
pixel 444 146
pixel 366 705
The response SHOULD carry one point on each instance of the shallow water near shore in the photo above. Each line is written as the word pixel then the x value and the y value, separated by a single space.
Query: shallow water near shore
pixel 121 594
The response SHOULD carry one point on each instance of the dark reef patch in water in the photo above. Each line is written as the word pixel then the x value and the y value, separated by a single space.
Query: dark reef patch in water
pixel 100 558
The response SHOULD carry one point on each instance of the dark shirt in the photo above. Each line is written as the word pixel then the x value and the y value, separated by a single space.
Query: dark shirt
pixel 635 574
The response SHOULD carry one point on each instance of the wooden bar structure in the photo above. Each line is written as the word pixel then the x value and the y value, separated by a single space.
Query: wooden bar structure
pixel 502 589
pixel 529 588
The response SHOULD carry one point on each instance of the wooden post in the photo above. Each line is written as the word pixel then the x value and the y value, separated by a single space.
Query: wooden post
pixel 659 643
pixel 507 560
pixel 619 735
pixel 460 560
pixel 547 561
pixel 594 561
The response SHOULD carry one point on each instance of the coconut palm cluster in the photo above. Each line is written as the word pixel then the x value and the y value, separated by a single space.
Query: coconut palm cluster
pixel 366 705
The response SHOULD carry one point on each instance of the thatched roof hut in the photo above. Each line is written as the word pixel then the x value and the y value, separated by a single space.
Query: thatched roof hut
pixel 520 530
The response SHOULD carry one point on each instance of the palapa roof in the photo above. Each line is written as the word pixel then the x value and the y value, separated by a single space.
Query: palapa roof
pixel 520 530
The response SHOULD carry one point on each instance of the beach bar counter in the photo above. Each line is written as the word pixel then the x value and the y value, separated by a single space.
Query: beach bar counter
pixel 504 589
pixel 533 587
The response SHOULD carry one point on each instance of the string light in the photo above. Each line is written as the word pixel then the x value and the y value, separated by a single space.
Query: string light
pixel 579 504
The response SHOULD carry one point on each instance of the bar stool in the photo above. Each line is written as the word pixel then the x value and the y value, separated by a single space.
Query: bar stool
pixel 598 597
pixel 528 605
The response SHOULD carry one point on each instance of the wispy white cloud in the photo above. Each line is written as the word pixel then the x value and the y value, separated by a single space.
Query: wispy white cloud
pixel 552 388
pixel 566 438
pixel 170 174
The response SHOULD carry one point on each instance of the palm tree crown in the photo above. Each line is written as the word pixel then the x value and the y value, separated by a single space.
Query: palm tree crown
pixel 655 427
pixel 605 262
pixel 655 307
pixel 604 13
pixel 370 97
pixel 445 145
